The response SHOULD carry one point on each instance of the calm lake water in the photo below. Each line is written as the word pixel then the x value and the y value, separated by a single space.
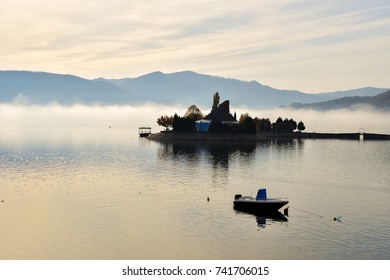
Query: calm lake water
pixel 88 191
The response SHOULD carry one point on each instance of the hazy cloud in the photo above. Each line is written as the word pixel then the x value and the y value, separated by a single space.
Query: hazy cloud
pixel 330 121
pixel 307 45
pixel 78 113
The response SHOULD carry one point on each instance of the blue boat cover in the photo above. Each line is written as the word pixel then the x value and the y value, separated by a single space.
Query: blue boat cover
pixel 261 194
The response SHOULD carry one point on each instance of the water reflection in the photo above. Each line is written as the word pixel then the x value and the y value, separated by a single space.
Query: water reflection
pixel 217 154
pixel 94 192
pixel 189 155
pixel 287 143
pixel 262 218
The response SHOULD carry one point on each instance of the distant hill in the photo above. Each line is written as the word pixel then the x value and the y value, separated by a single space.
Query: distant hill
pixel 43 88
pixel 380 101
pixel 185 88
pixel 367 91
pixel 192 88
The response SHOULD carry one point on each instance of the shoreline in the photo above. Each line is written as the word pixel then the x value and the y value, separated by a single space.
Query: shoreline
pixel 261 136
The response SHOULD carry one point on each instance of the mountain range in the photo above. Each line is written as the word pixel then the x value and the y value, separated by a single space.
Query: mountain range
pixel 185 88
pixel 380 101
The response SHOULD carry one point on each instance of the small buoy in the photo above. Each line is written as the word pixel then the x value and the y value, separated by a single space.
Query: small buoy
pixel 338 219
pixel 109 126
pixel 208 199
pixel 285 211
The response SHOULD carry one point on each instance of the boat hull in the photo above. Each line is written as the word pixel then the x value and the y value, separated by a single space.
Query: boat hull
pixel 259 206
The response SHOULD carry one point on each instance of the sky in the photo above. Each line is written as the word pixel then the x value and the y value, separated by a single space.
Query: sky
pixel 312 46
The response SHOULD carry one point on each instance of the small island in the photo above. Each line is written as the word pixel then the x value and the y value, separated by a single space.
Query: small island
pixel 221 125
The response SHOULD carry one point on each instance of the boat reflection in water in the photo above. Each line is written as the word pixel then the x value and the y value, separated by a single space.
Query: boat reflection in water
pixel 262 217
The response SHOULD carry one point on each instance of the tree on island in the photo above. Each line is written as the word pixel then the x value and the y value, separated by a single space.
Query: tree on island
pixel 290 124
pixel 215 100
pixel 243 117
pixel 186 123
pixel 183 124
pixel 301 126
pixel 247 123
pixel 263 125
pixel 165 121
pixel 286 125
pixel 193 113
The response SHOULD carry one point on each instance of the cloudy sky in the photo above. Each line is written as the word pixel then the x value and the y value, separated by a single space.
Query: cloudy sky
pixel 312 46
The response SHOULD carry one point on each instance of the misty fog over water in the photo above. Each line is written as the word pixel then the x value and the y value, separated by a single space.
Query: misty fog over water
pixel 326 121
